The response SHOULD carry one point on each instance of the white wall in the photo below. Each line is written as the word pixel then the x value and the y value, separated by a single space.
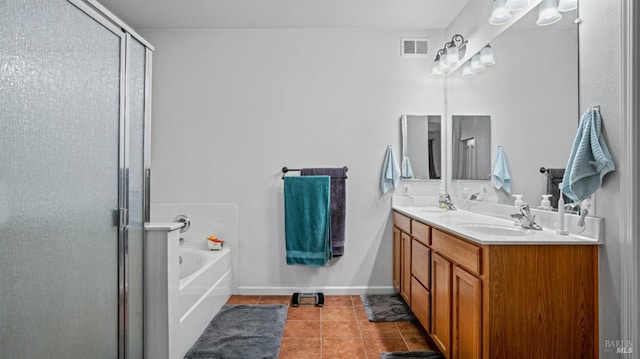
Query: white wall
pixel 600 66
pixel 232 107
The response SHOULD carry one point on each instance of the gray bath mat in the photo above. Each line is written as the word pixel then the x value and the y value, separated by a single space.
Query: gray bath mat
pixel 386 308
pixel 242 331
pixel 411 355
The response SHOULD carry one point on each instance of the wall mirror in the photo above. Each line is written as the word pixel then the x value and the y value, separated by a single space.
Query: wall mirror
pixel 531 96
pixel 471 147
pixel 421 147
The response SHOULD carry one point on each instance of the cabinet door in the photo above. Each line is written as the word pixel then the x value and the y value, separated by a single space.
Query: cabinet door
pixel 397 258
pixel 405 287
pixel 467 309
pixel 421 303
pixel 420 263
pixel 441 303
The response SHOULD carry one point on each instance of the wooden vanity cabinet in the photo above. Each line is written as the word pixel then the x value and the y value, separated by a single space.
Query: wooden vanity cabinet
pixel 397 258
pixel 411 265
pixel 405 286
pixel 402 255
pixel 500 301
pixel 441 303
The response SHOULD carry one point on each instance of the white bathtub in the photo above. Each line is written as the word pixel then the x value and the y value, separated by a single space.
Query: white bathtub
pixel 204 287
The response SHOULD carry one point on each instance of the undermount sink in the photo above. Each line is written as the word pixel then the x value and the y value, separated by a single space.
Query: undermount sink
pixel 496 230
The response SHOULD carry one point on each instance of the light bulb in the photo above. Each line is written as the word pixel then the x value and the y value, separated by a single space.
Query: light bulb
pixel 476 65
pixel 452 55
pixel 466 70
pixel 486 56
pixel 499 14
pixel 548 13
pixel 435 70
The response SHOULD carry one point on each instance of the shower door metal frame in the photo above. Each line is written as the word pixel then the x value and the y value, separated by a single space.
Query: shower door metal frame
pixel 112 23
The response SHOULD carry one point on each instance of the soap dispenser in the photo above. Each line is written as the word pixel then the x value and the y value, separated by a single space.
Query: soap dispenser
pixel 545 203
pixel 518 202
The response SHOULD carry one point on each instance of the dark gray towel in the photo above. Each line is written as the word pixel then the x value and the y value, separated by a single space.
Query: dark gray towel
pixel 554 177
pixel 338 204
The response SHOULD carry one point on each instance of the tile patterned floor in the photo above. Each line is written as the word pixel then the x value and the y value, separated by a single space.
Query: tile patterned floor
pixel 340 329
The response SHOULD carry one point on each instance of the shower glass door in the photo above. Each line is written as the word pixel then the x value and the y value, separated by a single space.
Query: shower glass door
pixel 60 181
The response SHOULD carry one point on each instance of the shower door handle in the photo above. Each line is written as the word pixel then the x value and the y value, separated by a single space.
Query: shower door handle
pixel 123 218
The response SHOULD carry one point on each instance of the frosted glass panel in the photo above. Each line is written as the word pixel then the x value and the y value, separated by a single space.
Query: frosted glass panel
pixel 59 115
pixel 136 84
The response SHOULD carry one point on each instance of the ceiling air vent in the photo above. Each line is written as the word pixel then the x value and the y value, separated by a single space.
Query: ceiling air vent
pixel 414 47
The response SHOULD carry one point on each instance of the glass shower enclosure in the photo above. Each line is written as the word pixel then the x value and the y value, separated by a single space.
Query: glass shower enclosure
pixel 74 111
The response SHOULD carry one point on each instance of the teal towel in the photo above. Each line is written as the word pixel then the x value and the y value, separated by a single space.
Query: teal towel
pixel 590 159
pixel 501 175
pixel 307 219
pixel 390 172
pixel 407 170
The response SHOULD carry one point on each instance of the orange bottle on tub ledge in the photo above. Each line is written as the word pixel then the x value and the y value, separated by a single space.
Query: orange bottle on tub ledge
pixel 214 243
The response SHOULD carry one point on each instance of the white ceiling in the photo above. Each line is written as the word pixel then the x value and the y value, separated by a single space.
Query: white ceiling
pixel 190 14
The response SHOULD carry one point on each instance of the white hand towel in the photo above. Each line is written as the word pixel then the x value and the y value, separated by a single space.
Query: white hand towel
pixel 501 176
pixel 390 172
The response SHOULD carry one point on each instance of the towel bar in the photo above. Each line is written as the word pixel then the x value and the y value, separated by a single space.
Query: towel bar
pixel 286 169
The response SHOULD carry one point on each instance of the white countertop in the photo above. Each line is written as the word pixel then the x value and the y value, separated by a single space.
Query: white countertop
pixel 469 225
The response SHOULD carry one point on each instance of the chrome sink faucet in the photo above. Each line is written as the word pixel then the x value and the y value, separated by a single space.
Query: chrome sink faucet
pixel 445 200
pixel 526 218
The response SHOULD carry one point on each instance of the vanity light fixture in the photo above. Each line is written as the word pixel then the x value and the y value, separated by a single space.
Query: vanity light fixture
pixel 442 64
pixel 479 62
pixel 499 13
pixel 486 56
pixel 466 70
pixel 516 5
pixel 548 13
pixel 567 5
pixel 476 65
pixel 454 49
pixel 448 56
pixel 435 70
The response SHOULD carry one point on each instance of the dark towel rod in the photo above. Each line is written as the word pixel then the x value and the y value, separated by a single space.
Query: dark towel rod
pixel 286 169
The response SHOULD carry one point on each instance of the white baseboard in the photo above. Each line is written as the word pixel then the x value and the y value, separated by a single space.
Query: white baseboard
pixel 247 290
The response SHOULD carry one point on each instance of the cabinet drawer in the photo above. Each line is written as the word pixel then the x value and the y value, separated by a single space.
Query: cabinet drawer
pixel 401 221
pixel 421 263
pixel 462 253
pixel 421 304
pixel 421 232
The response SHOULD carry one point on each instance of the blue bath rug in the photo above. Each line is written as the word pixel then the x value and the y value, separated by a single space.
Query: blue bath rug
pixel 241 332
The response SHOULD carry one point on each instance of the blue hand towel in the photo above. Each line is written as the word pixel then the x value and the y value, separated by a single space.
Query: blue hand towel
pixel 407 170
pixel 390 172
pixel 590 159
pixel 307 218
pixel 501 176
